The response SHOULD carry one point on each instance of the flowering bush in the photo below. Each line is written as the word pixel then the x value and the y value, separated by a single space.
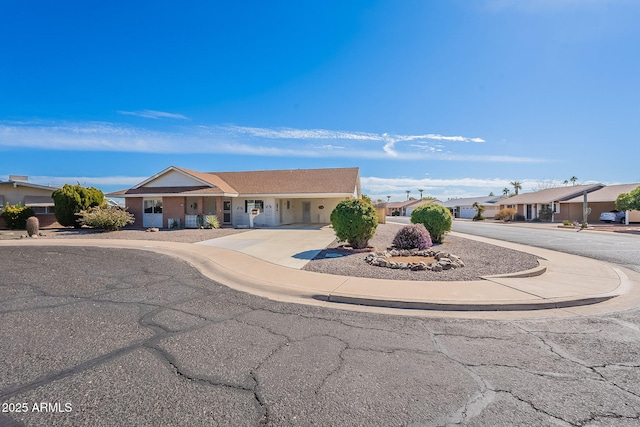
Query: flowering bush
pixel 108 218
pixel 16 216
pixel 413 237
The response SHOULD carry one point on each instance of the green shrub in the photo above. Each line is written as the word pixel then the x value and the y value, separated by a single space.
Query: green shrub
pixel 567 222
pixel 436 219
pixel 15 217
pixel 518 217
pixel 33 226
pixel 71 199
pixel 354 221
pixel 105 217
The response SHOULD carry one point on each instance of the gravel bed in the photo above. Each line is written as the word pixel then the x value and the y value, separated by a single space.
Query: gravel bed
pixel 181 236
pixel 480 259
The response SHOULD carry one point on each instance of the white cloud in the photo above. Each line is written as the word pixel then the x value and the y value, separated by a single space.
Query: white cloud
pixel 284 142
pixel 153 114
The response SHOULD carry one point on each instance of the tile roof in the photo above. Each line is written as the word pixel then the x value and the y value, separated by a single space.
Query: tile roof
pixel 336 180
pixel 550 195
pixel 339 181
pixel 607 194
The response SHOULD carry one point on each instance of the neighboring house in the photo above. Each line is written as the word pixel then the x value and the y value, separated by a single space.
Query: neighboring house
pixel 463 207
pixel 280 196
pixel 18 189
pixel 405 208
pixel 599 201
pixel 529 205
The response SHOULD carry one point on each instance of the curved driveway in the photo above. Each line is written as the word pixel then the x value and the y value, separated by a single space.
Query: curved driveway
pixel 105 337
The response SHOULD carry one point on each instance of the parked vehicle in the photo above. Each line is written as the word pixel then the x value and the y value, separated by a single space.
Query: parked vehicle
pixel 613 216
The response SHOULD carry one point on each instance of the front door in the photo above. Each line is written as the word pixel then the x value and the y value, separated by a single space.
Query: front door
pixel 152 216
pixel 226 211
pixel 306 212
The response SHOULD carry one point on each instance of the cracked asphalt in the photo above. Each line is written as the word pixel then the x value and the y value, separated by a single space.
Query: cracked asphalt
pixel 106 337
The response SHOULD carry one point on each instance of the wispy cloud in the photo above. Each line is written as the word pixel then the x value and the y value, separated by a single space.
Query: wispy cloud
pixel 239 140
pixel 153 114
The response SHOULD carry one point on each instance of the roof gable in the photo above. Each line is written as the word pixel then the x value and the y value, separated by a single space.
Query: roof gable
pixel 173 177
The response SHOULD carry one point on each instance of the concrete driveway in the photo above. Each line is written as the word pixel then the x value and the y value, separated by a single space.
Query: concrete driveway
pixel 290 246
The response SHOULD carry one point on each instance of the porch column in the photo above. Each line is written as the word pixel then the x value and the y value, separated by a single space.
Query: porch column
pixel 200 205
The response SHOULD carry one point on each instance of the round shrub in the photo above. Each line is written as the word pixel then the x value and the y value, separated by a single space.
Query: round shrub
pixel 354 221
pixel 413 236
pixel 435 218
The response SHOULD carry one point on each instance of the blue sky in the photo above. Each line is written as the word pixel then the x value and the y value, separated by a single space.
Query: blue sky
pixel 456 97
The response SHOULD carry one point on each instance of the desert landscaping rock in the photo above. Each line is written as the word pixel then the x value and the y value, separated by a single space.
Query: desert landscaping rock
pixel 444 261
pixel 479 259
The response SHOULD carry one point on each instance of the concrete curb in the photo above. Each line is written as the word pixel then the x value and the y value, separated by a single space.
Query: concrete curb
pixel 562 281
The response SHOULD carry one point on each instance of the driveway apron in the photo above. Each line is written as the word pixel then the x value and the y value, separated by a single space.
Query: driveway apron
pixel 289 246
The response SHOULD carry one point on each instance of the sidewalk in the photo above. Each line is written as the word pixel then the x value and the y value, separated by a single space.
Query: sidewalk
pixel 574 285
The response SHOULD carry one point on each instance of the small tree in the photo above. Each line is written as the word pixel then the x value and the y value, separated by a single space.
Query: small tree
pixel 109 218
pixel 15 216
pixel 629 201
pixel 436 219
pixel 354 221
pixel 479 211
pixel 71 199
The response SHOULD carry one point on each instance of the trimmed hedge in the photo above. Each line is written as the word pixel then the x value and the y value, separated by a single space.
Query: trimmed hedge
pixel 354 221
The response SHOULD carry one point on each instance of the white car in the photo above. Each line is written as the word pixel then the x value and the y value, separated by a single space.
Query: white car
pixel 613 216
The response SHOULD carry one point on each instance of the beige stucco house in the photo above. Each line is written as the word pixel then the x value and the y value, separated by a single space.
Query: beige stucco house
pixel 566 203
pixel 176 196
pixel 18 190
pixel 602 200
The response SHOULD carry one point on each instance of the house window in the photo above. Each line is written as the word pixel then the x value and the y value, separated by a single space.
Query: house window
pixel 42 209
pixel 288 204
pixel 253 204
pixel 153 206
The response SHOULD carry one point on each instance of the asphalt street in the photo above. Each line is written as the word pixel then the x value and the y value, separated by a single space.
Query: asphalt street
pixel 106 337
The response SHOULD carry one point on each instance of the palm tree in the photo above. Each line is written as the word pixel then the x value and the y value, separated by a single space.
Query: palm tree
pixel 516 186
pixel 565 182
pixel 408 192
pixel 505 191
pixel 420 190
pixel 573 179
pixel 388 199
